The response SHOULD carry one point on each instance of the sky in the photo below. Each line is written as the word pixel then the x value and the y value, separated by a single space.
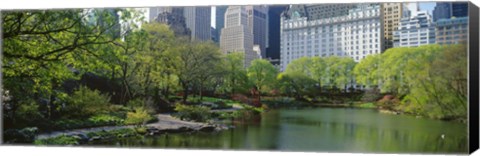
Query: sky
pixel 429 6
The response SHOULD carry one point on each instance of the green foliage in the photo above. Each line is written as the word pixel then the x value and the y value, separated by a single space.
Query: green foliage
pixel 113 133
pixel 61 140
pixel 139 117
pixel 366 71
pixel 295 84
pixel 195 113
pixel 85 102
pixel 367 105
pixel 235 79
pixel 262 73
pixel 106 120
pixel 135 103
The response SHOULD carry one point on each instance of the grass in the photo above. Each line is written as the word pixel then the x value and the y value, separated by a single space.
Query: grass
pixel 366 105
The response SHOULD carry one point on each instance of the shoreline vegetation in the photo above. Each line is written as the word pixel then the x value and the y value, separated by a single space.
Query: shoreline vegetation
pixel 63 71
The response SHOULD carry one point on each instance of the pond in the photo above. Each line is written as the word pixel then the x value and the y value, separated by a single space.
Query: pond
pixel 321 130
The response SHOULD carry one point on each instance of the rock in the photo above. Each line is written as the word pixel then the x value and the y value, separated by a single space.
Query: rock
pixel 177 130
pixel 95 138
pixel 82 138
pixel 207 129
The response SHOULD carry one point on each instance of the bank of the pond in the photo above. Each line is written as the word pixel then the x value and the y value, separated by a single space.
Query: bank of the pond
pixel 319 129
pixel 165 124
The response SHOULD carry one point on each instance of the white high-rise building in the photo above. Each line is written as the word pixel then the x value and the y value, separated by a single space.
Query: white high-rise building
pixel 198 21
pixel 415 31
pixel 356 33
pixel 236 35
pixel 258 23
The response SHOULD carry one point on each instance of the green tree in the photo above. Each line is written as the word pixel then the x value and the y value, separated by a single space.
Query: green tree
pixel 263 74
pixel 42 49
pixel 366 71
pixel 236 76
pixel 195 59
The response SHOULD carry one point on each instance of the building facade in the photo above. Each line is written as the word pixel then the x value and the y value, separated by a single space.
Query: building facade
pixel 197 20
pixel 447 10
pixel 356 34
pixel 173 17
pixel 451 31
pixel 415 31
pixel 273 46
pixel 219 20
pixel 236 35
pixel 392 14
pixel 258 23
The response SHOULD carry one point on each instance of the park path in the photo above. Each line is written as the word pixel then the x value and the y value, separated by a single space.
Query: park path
pixel 165 121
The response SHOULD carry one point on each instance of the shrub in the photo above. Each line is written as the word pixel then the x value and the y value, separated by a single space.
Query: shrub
pixel 85 103
pixel 106 120
pixel 26 135
pixel 132 104
pixel 371 95
pixel 60 140
pixel 196 113
pixel 389 102
pixel 139 117
pixel 113 133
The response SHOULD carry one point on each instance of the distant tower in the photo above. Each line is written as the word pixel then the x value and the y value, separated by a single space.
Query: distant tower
pixel 273 48
pixel 219 20
pixel 173 17
pixel 236 36
pixel 257 21
pixel 197 20
pixel 392 14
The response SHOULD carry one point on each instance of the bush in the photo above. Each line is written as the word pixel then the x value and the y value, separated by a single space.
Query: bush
pixel 389 102
pixel 196 113
pixel 26 135
pixel 113 133
pixel 106 120
pixel 60 140
pixel 135 103
pixel 139 117
pixel 371 95
pixel 85 103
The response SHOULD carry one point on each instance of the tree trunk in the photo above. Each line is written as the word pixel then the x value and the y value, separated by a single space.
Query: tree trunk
pixel 185 92
pixel 200 91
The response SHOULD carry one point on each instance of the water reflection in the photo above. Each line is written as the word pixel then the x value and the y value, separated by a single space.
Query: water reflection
pixel 323 129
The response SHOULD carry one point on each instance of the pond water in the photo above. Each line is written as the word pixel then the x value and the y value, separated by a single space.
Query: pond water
pixel 321 130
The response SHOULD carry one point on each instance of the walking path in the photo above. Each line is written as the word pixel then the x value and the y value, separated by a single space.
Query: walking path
pixel 165 121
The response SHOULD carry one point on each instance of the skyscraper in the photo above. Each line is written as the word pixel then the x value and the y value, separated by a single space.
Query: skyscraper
pixel 441 11
pixel 236 36
pixel 392 13
pixel 415 31
pixel 257 21
pixel 446 10
pixel 219 20
pixel 173 17
pixel 273 48
pixel 197 20
pixel 356 34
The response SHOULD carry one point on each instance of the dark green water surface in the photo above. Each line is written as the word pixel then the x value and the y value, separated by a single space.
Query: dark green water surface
pixel 321 130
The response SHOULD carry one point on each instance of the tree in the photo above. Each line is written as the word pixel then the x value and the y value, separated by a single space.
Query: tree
pixel 295 84
pixel 42 49
pixel 236 75
pixel 366 72
pixel 195 59
pixel 262 73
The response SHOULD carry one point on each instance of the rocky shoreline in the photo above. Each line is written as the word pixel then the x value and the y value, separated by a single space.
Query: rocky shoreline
pixel 166 124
